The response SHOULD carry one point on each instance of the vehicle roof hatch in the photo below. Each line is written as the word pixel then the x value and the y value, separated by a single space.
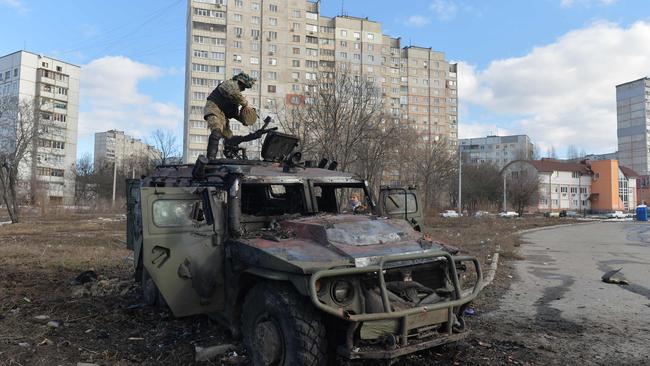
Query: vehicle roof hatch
pixel 278 146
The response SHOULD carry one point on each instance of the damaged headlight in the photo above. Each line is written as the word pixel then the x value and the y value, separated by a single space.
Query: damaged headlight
pixel 342 291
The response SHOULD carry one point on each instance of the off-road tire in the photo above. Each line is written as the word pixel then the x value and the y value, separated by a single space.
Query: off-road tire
pixel 300 326
pixel 150 293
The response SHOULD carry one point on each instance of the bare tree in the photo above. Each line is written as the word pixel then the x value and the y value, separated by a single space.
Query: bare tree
pixel 340 116
pixel 85 182
pixel 523 189
pixel 435 166
pixel 572 152
pixel 482 186
pixel 19 130
pixel 166 146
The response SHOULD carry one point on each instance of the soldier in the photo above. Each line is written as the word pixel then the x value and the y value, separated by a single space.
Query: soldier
pixel 222 105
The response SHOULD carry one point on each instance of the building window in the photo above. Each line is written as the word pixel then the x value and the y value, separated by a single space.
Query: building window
pixel 273 8
pixel 344 44
pixel 343 54
pixel 273 61
pixel 312 40
pixel 255 33
pixel 236 17
pixel 344 33
pixel 311 64
pixel 236 44
pixel 273 21
pixel 255 6
pixel 296 50
pixel 239 31
pixel 272 75
pixel 239 3
pixel 255 61
pixel 371 36
pixel 295 100
pixel 357 35
pixel 270 88
pixel 295 13
pixel 295 63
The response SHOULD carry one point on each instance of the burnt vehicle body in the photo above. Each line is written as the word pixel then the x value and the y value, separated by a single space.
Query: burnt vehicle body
pixel 265 248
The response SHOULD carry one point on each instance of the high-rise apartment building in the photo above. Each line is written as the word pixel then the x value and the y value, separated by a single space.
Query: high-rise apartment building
pixel 497 150
pixel 53 86
pixel 288 46
pixel 633 121
pixel 116 147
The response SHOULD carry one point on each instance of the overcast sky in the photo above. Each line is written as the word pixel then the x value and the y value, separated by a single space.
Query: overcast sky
pixel 546 68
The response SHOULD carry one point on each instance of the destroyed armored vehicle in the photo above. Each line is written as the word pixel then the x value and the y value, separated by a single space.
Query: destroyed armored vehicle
pixel 267 248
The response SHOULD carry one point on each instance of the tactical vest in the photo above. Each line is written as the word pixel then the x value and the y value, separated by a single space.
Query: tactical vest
pixel 221 97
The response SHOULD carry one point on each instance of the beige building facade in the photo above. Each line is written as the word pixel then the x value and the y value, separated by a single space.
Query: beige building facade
pixel 117 147
pixel 288 46
pixel 53 86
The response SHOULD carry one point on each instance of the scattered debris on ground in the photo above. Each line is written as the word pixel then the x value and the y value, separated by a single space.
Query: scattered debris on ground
pixel 67 296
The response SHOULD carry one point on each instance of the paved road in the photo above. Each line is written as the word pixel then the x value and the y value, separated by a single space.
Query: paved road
pixel 558 288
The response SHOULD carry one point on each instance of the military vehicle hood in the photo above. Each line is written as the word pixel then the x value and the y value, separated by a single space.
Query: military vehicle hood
pixel 319 242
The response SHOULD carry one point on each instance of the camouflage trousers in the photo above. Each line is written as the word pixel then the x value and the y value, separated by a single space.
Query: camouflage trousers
pixel 216 119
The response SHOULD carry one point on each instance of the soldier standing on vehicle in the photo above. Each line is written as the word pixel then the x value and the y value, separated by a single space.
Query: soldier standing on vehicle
pixel 222 105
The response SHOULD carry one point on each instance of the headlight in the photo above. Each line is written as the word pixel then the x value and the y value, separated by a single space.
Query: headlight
pixel 342 292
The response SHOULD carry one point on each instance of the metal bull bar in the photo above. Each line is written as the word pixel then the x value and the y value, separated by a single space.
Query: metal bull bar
pixel 388 312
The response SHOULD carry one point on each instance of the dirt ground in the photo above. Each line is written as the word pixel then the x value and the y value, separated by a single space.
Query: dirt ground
pixel 45 320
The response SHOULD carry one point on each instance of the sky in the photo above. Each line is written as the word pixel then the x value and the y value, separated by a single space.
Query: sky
pixel 546 68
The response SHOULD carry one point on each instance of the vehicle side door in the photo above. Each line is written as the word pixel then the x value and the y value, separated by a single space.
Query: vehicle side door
pixel 183 254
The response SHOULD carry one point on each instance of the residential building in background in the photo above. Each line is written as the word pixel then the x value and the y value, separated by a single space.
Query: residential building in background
pixel 289 47
pixel 53 85
pixel 633 121
pixel 606 156
pixel 497 150
pixel 117 147
pixel 591 186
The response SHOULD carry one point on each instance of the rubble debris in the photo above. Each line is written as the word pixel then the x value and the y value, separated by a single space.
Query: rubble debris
pixel 53 324
pixel 102 288
pixel 41 319
pixel 608 277
pixel 86 364
pixel 484 344
pixel 84 277
pixel 46 342
pixel 208 353
pixel 23 344
pixel 469 311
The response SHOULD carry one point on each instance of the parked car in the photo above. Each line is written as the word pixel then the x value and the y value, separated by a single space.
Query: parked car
pixel 565 213
pixel 508 214
pixel 616 215
pixel 449 214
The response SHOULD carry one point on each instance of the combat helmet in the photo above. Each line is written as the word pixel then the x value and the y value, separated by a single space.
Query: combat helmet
pixel 245 79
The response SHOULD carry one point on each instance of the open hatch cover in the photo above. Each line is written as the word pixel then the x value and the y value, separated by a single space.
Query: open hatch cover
pixel 278 146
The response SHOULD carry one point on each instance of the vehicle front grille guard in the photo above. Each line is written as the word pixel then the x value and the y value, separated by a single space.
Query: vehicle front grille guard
pixel 402 314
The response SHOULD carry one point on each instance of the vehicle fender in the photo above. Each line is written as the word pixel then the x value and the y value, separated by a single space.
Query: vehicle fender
pixel 299 282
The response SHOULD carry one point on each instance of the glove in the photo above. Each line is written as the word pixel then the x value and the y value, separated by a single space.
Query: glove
pixel 248 116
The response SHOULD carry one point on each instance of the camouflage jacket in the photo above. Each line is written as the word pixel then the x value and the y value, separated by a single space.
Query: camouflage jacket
pixel 228 97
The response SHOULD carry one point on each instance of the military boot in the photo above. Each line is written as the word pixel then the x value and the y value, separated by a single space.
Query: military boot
pixel 213 144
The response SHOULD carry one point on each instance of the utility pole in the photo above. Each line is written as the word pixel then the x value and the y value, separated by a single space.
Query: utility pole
pixel 505 206
pixel 114 179
pixel 460 182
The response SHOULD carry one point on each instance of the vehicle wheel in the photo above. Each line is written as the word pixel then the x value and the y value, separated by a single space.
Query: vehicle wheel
pixel 282 328
pixel 150 293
